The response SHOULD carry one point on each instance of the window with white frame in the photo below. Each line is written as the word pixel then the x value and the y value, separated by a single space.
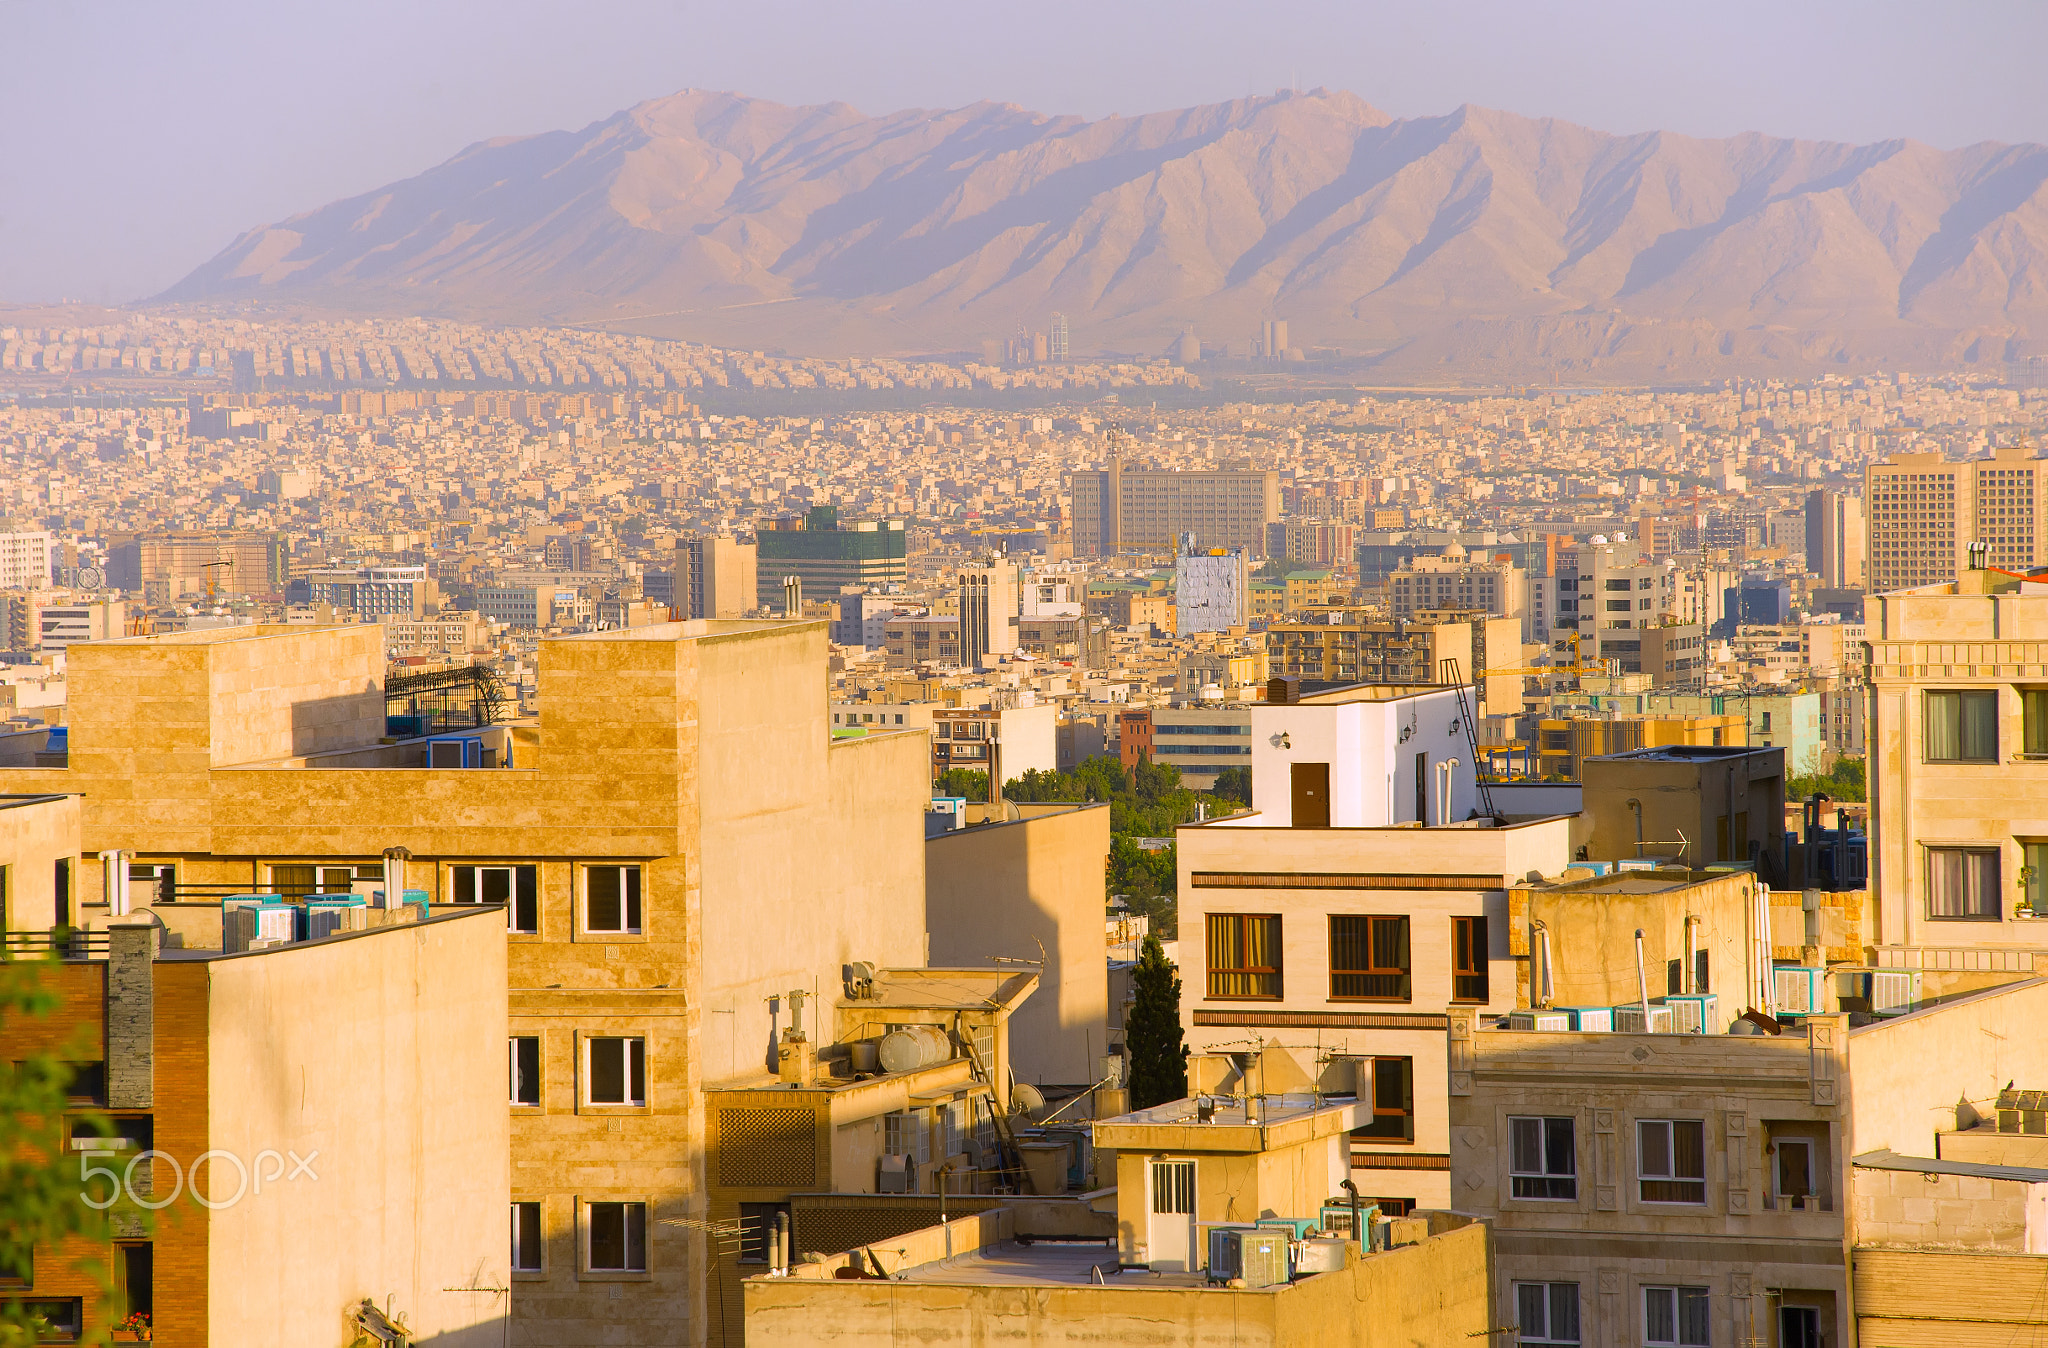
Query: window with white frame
pixel 615 1070
pixel 1543 1160
pixel 611 899
pixel 517 887
pixel 524 1053
pixel 1675 1317
pixel 526 1241
pixel 615 1237
pixel 1671 1160
pixel 1547 1313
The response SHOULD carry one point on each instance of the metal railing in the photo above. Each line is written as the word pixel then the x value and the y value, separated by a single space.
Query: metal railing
pixel 70 943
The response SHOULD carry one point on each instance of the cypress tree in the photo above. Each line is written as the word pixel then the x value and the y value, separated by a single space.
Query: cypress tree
pixel 1159 1060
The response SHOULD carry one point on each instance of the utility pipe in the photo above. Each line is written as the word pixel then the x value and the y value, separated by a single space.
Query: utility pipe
pixel 1642 982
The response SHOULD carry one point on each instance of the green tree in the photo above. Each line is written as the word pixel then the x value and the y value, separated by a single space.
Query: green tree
pixel 41 1199
pixel 1234 784
pixel 969 782
pixel 1159 1060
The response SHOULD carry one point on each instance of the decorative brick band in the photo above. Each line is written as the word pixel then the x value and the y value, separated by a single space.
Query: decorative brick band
pixel 1322 1020
pixel 1336 880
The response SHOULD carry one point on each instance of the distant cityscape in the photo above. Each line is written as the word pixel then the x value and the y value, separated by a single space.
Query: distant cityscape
pixel 1228 856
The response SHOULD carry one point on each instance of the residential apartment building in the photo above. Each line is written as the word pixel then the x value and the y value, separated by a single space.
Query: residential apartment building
pixel 27 561
pixel 64 625
pixel 1353 907
pixel 1120 509
pixel 336 1105
pixel 910 640
pixel 1007 742
pixel 1682 1190
pixel 1958 734
pixel 658 845
pixel 450 634
pixel 1412 651
pixel 1923 511
pixel 1315 542
pixel 1834 539
pixel 718 577
pixel 1455 580
pixel 1607 594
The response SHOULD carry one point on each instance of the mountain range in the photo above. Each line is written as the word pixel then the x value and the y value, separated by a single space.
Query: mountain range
pixel 1476 244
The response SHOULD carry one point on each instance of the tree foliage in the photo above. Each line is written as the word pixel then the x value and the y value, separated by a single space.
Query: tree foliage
pixel 1845 781
pixel 41 1203
pixel 969 782
pixel 1159 1058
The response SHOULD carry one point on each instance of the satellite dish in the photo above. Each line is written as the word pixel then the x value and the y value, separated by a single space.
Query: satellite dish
pixel 91 578
pixel 1026 1098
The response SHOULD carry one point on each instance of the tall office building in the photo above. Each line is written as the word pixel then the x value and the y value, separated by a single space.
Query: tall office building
pixel 827 556
pixel 988 612
pixel 1056 345
pixel 716 576
pixel 1834 539
pixel 1121 509
pixel 24 561
pixel 1924 511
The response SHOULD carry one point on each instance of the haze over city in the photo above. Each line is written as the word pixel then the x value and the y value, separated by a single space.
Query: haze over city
pixel 1329 675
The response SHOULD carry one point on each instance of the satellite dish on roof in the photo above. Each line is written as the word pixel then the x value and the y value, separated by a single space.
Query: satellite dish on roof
pixel 91 578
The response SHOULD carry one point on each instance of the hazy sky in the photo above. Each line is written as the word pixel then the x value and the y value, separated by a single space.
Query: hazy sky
pixel 137 140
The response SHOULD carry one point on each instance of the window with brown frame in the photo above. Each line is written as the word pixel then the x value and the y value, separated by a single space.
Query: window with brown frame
pixel 1468 959
pixel 1244 955
pixel 1368 958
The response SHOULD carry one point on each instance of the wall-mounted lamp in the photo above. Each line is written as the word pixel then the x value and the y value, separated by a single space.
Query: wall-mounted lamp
pixel 1280 741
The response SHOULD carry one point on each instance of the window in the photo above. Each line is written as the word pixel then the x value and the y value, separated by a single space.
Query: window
pixel 611 899
pixel 2034 856
pixel 1675 1317
pixel 1671 1160
pixel 152 882
pixel 1368 958
pixel 1795 1172
pixel 1468 959
pixel 65 1319
pixel 2034 722
pixel 525 1055
pixel 1962 882
pixel 1393 1101
pixel 617 1237
pixel 617 1071
pixel 1962 727
pixel 294 882
pixel 1244 955
pixel 757 1231
pixel 526 1242
pixel 517 887
pixel 1548 1312
pixel 1543 1161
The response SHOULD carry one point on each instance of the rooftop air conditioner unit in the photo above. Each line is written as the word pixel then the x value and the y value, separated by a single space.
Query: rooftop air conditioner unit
pixel 1893 992
pixel 1225 1254
pixel 1593 1019
pixel 1628 1019
pixel 1537 1020
pixel 1695 1013
pixel 1801 991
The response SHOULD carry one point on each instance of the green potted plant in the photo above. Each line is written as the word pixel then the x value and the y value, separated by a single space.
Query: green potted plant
pixel 2025 906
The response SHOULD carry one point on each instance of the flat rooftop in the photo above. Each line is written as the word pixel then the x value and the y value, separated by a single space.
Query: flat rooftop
pixel 1682 753
pixel 1008 1264
pixel 1229 1111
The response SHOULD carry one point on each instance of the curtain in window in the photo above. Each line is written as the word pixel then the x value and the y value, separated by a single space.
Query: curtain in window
pixel 2034 721
pixel 1962 727
pixel 1962 882
pixel 1244 955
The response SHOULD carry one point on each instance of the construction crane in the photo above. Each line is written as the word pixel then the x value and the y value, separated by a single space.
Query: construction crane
pixel 209 569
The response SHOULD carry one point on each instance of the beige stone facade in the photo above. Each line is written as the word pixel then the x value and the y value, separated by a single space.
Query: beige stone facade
pixel 1958 730
pixel 677 834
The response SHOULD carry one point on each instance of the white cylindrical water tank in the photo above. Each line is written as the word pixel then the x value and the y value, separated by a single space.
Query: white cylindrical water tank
pixel 915 1046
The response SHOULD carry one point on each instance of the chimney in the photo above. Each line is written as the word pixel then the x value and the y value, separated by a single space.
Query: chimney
pixel 131 1015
